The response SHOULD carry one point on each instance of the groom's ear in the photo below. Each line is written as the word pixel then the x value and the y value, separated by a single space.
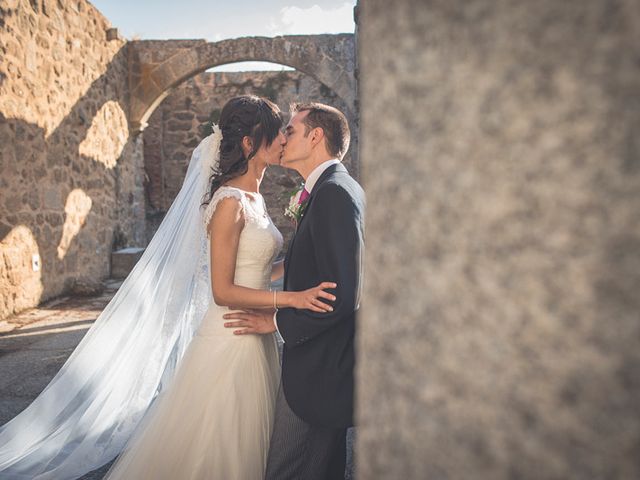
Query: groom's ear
pixel 317 135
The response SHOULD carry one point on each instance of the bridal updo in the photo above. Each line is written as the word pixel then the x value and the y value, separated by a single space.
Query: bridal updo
pixel 243 116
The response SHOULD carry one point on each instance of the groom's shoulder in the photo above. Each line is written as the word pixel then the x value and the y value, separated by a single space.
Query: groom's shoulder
pixel 344 179
pixel 341 185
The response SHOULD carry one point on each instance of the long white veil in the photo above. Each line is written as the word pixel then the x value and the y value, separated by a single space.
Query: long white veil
pixel 89 410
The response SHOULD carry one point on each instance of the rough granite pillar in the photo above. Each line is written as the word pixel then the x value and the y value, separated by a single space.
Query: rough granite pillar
pixel 500 151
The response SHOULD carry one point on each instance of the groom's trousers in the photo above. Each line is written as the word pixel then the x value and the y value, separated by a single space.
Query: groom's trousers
pixel 300 451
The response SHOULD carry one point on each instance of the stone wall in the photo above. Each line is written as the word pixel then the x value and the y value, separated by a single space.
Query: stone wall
pixel 180 122
pixel 500 335
pixel 71 183
pixel 156 66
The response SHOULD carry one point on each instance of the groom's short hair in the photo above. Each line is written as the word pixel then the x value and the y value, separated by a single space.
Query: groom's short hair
pixel 333 123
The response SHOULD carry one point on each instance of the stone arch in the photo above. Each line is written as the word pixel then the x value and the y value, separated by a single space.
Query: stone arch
pixel 156 67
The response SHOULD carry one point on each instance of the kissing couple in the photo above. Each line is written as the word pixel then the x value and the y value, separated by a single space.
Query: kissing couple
pixel 180 375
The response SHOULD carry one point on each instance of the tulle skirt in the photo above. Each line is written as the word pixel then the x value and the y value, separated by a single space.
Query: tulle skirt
pixel 215 419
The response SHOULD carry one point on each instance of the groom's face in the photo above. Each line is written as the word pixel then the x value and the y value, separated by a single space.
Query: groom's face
pixel 297 144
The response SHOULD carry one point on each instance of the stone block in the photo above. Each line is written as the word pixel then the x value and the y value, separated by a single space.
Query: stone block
pixel 86 286
pixel 112 34
pixel 123 261
pixel 180 126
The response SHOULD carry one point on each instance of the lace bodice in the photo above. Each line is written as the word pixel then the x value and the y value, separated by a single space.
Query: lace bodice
pixel 260 240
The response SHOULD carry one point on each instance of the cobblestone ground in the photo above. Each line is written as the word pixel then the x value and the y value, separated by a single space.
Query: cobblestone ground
pixel 36 343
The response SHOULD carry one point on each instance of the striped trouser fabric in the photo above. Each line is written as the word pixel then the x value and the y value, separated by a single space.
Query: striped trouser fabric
pixel 300 451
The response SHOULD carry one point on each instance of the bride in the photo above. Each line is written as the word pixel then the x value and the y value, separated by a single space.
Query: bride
pixel 158 375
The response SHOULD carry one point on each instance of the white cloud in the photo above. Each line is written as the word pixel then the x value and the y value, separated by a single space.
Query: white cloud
pixel 314 20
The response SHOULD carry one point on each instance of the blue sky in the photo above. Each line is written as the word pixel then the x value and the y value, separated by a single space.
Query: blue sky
pixel 216 20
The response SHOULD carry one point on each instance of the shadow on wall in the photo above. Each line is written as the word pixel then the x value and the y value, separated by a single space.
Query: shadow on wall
pixel 61 215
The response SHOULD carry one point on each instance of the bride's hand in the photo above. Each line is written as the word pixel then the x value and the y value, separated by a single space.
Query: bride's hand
pixel 310 299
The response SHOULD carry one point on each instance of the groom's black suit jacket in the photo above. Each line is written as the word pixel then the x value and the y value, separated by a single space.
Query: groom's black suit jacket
pixel 318 358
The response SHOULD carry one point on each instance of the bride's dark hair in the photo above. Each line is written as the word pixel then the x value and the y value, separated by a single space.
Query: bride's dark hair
pixel 243 116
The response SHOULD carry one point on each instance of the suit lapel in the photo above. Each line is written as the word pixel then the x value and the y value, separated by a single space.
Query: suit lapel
pixel 338 167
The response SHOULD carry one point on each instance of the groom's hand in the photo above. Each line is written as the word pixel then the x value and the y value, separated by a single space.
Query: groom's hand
pixel 251 321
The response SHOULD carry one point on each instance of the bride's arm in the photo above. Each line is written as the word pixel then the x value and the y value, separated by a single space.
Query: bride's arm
pixel 277 271
pixel 224 232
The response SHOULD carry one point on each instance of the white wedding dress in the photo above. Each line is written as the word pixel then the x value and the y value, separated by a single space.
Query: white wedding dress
pixel 214 419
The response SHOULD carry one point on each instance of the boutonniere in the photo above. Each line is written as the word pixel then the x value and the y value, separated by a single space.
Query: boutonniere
pixel 296 208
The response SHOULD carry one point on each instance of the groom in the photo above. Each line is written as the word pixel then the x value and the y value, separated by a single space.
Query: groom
pixel 315 402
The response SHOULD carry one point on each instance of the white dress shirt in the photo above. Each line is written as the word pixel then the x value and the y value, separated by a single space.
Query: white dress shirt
pixel 308 186
pixel 315 174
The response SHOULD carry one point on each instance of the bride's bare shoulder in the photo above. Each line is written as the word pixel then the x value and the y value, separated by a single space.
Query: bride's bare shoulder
pixel 225 209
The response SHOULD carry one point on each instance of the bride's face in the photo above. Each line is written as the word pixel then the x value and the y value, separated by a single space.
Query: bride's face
pixel 270 154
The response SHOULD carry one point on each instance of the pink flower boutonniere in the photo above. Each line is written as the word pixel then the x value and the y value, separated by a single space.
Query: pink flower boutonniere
pixel 295 210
